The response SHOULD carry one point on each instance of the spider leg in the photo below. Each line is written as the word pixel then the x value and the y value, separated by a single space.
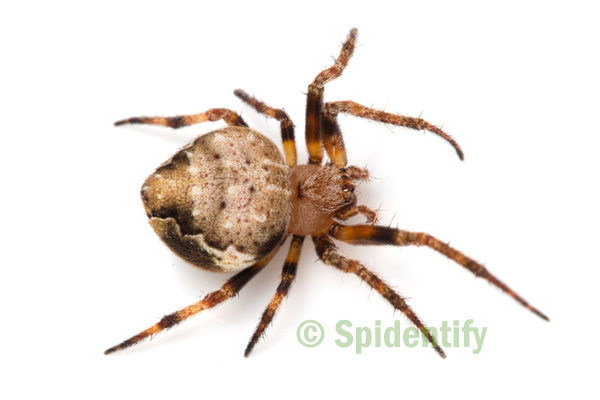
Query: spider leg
pixel 214 114
pixel 333 140
pixel 229 289
pixel 328 253
pixel 381 235
pixel 287 126
pixel 314 102
pixel 337 153
pixel 287 277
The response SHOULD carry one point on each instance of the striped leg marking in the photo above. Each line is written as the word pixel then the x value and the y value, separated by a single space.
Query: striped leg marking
pixel 332 109
pixel 214 114
pixel 287 126
pixel 381 235
pixel 314 101
pixel 226 292
pixel 329 254
pixel 287 277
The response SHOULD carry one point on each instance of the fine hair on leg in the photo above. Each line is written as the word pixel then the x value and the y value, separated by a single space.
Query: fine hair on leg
pixel 328 253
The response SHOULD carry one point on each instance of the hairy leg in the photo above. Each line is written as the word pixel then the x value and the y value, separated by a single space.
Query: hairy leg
pixel 214 114
pixel 381 235
pixel 286 124
pixel 227 291
pixel 287 277
pixel 332 109
pixel 314 102
pixel 329 254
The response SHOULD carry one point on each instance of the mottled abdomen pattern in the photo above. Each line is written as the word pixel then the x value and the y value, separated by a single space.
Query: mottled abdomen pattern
pixel 221 203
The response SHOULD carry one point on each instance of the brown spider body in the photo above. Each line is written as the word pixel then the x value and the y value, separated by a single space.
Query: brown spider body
pixel 228 200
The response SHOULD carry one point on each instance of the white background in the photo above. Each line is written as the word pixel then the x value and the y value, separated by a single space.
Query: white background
pixel 516 84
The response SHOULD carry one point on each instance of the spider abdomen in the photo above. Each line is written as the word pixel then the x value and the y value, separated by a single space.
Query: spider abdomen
pixel 222 202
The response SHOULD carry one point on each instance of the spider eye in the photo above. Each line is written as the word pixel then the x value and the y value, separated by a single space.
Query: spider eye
pixel 345 188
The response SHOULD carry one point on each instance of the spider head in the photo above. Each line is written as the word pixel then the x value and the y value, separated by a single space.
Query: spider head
pixel 319 192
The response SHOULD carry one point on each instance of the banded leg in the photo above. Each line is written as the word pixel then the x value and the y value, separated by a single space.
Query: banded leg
pixel 227 291
pixel 214 114
pixel 332 109
pixel 286 124
pixel 287 277
pixel 314 101
pixel 328 253
pixel 333 140
pixel 381 235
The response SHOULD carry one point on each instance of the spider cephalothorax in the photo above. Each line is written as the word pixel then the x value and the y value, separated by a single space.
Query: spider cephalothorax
pixel 227 201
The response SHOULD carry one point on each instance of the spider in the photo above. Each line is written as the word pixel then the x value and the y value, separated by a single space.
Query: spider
pixel 227 201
